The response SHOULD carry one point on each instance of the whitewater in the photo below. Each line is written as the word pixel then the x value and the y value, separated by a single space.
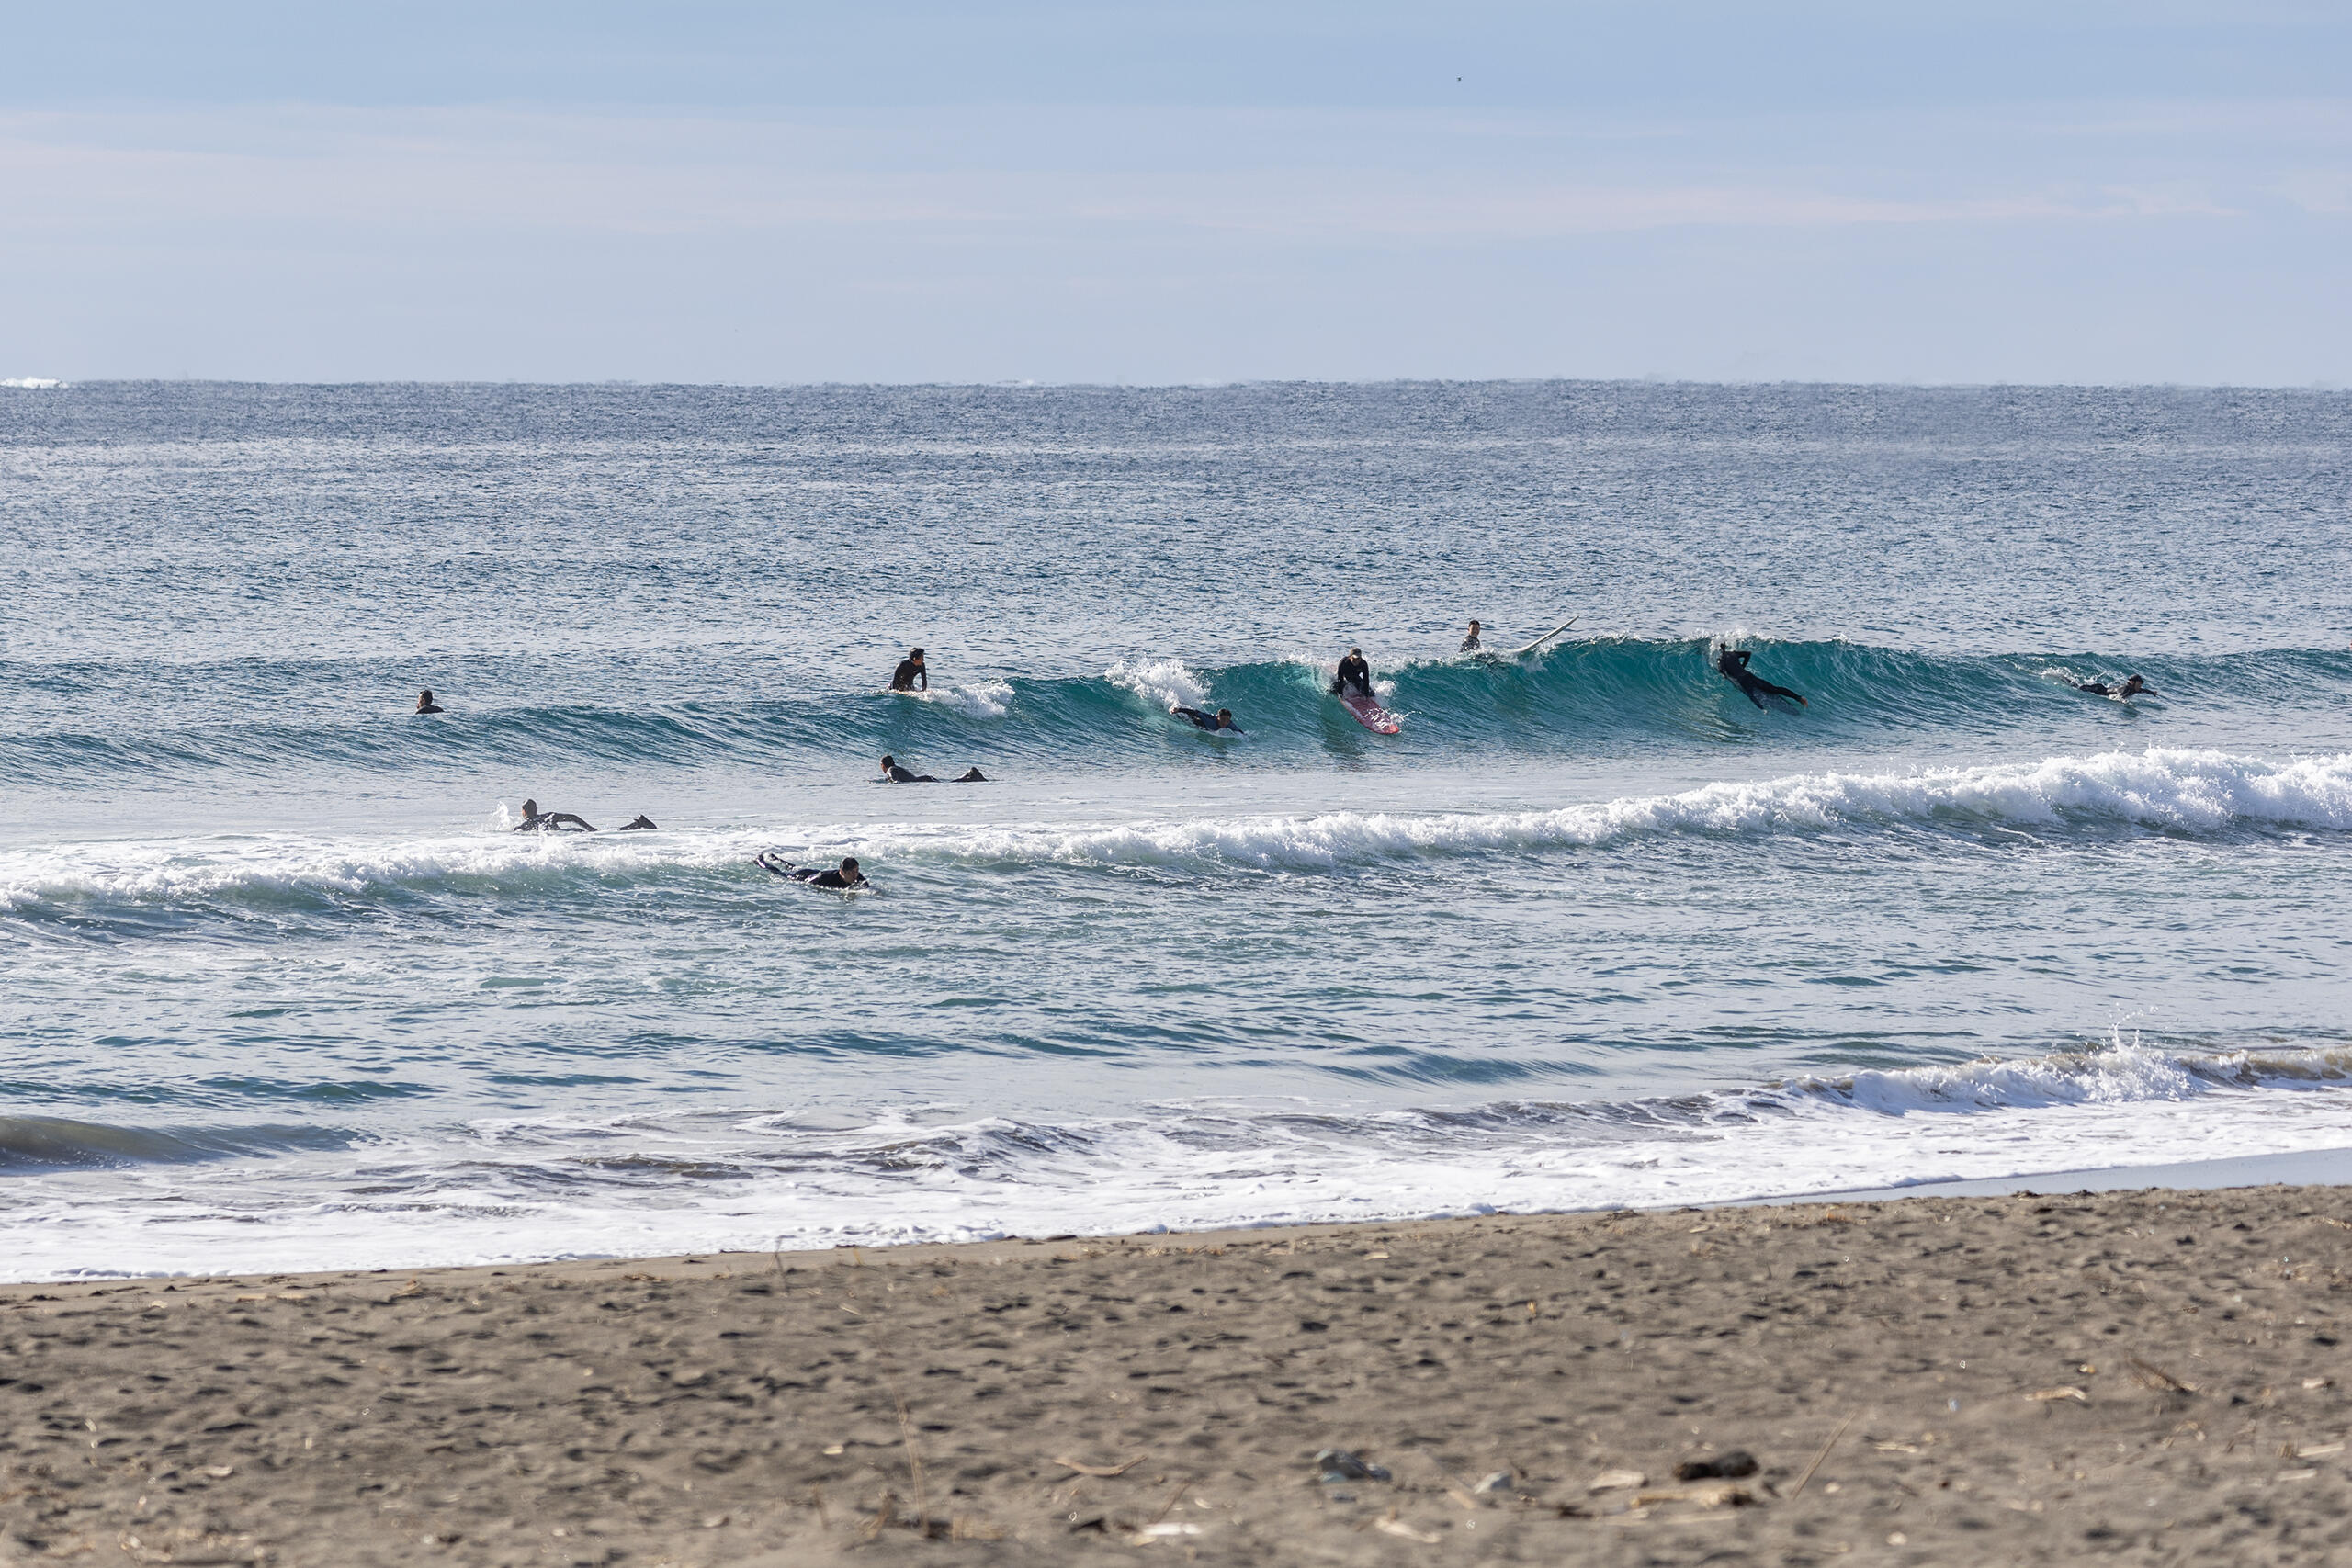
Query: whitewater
pixel 283 988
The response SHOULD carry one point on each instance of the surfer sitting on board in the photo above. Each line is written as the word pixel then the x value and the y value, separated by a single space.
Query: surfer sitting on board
pixel 2134 687
pixel 535 821
pixel 893 773
pixel 1470 644
pixel 1221 719
pixel 848 877
pixel 1354 677
pixel 424 703
pixel 911 675
pixel 1732 663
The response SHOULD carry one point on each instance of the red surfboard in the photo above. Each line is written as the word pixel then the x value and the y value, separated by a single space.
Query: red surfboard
pixel 1372 715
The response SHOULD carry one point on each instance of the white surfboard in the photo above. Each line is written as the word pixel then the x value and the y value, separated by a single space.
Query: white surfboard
pixel 1547 636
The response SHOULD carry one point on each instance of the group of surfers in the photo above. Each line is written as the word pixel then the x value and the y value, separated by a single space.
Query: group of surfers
pixel 1352 681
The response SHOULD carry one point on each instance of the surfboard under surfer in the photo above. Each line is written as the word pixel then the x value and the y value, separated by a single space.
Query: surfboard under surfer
pixel 846 877
pixel 1221 719
pixel 1732 662
pixel 1353 677
pixel 911 675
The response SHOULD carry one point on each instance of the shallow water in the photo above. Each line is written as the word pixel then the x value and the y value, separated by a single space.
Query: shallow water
pixel 283 990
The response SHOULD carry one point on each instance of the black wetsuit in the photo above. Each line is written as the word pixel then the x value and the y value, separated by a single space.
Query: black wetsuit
pixel 555 822
pixel 428 707
pixel 908 672
pixel 897 775
pixel 815 876
pixel 2101 689
pixel 643 824
pixel 1732 663
pixel 1354 679
pixel 1206 720
pixel 1470 644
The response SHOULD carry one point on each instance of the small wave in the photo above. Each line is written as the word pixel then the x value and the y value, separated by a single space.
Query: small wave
pixel 35 1142
pixel 516 1189
pixel 2193 793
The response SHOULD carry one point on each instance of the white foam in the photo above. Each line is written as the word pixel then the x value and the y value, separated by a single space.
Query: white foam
pixel 2189 792
pixel 516 1191
pixel 1163 682
pixel 981 699
pixel 31 383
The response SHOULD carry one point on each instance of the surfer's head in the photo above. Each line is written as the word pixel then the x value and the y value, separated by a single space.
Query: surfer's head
pixel 915 654
pixel 1473 623
pixel 1224 716
pixel 849 865
pixel 1355 653
pixel 2134 687
pixel 889 763
pixel 530 809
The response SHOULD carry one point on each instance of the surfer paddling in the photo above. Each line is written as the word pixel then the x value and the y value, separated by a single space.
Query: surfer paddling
pixel 893 773
pixel 1221 719
pixel 911 675
pixel 841 880
pixel 538 821
pixel 2134 687
pixel 1732 663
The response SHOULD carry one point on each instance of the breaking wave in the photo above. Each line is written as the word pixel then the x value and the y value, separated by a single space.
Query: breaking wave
pixel 1574 698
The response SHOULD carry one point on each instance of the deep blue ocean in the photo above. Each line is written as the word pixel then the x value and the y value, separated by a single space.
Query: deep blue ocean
pixel 283 989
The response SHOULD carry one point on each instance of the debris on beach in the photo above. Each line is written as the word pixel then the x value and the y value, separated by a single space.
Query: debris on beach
pixel 1338 1464
pixel 1723 1467
pixel 1618 1481
pixel 1500 1481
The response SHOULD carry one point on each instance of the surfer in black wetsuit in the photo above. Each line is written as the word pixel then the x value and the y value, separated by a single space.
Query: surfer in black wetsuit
pixel 893 773
pixel 1353 677
pixel 643 824
pixel 847 877
pixel 536 821
pixel 1732 664
pixel 2134 687
pixel 911 675
pixel 1470 644
pixel 1221 719
pixel 424 703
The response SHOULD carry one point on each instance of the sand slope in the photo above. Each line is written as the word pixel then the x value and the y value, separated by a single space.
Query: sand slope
pixel 748 1409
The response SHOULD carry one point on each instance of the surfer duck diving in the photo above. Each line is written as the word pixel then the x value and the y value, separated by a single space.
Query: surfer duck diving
pixel 1732 664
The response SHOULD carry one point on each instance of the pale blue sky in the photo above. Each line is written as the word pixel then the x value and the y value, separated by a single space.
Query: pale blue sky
pixel 2152 192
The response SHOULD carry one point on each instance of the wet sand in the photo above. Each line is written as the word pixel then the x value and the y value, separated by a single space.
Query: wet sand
pixel 2139 1377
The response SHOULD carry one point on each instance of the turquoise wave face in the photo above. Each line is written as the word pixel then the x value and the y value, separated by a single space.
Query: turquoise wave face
pixel 1582 698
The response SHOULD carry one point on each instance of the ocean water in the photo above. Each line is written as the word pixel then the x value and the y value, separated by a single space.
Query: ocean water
pixel 283 990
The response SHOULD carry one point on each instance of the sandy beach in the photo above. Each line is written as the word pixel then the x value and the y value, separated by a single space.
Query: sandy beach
pixel 2146 1377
